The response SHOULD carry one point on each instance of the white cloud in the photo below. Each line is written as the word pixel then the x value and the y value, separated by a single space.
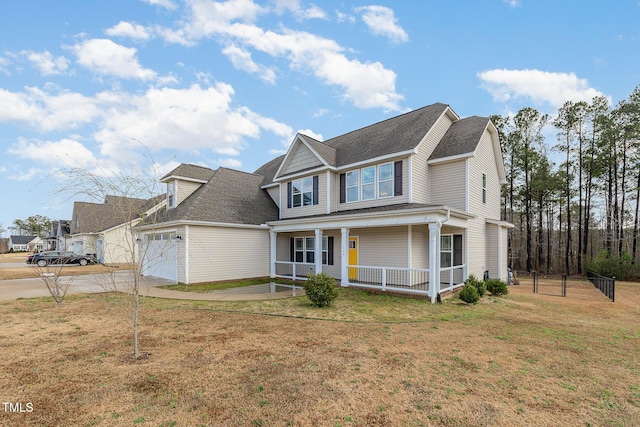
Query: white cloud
pixel 241 60
pixel 538 86
pixel 103 56
pixel 513 3
pixel 381 21
pixel 47 111
pixel 230 163
pixel 167 4
pixel 366 85
pixel 312 12
pixel 128 29
pixel 312 134
pixel 4 63
pixel 55 154
pixel 343 17
pixel 46 63
pixel 187 120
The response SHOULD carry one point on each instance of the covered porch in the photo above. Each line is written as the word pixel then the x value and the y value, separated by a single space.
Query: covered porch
pixel 415 250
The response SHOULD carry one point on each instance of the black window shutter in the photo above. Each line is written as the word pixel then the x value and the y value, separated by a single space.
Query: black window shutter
pixel 343 188
pixel 330 250
pixel 292 250
pixel 457 249
pixel 397 178
pixel 315 189
pixel 289 194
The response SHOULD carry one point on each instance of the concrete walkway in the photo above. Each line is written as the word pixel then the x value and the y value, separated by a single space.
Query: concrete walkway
pixel 97 283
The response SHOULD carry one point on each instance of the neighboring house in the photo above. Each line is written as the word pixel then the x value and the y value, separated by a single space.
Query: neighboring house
pixel 409 204
pixel 57 238
pixel 25 243
pixel 105 229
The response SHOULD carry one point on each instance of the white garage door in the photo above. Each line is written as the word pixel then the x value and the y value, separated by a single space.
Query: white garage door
pixel 159 256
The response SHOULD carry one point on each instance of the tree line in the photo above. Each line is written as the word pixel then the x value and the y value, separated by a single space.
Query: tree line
pixel 574 200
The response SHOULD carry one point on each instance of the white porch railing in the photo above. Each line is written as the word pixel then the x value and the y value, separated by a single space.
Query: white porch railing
pixel 411 280
pixel 294 270
pixel 452 277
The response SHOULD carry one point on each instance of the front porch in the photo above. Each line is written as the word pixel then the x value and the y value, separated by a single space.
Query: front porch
pixel 385 257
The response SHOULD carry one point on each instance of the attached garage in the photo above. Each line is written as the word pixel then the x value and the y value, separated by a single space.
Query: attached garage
pixel 159 255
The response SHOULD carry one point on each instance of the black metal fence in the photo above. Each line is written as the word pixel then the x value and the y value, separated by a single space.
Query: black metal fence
pixel 563 290
pixel 606 285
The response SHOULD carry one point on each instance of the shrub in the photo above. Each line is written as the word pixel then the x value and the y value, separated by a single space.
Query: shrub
pixel 469 294
pixel 479 285
pixel 610 266
pixel 321 289
pixel 496 287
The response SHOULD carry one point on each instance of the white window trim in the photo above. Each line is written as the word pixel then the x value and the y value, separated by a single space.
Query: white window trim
pixel 301 181
pixel 376 183
pixel 305 240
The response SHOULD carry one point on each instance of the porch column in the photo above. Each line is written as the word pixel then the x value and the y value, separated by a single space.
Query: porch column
pixel 318 251
pixel 272 253
pixel 344 257
pixel 434 259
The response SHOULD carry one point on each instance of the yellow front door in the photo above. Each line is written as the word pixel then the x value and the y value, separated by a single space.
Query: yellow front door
pixel 353 257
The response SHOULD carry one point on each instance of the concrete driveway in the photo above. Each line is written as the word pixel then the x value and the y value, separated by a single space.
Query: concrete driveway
pixel 97 283
pixel 85 284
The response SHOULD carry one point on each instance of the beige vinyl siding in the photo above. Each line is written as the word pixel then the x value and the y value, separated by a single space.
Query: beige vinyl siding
pixel 118 245
pixel 223 253
pixel 184 189
pixel 320 208
pixel 482 162
pixel 302 158
pixel 419 168
pixel 181 254
pixel 404 198
pixel 274 193
pixel 491 248
pixel 383 247
pixel 448 184
pixel 420 246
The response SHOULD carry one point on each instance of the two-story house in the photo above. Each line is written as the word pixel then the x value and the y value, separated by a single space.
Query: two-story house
pixel 410 204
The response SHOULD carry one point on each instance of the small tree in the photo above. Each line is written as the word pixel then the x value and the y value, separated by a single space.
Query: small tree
pixel 56 284
pixel 321 289
pixel 134 197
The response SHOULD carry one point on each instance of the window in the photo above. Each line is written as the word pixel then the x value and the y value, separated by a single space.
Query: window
pixel 450 250
pixel 369 183
pixel 385 180
pixel 484 188
pixel 446 251
pixel 303 250
pixel 171 194
pixel 303 192
pixel 352 186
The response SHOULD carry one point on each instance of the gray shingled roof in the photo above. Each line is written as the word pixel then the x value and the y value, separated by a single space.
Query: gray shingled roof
pixel 187 170
pixel 21 240
pixel 269 169
pixel 230 196
pixel 462 138
pixel 397 134
pixel 116 210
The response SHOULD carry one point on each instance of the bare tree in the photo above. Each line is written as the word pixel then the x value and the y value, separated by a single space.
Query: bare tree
pixel 131 198
pixel 54 281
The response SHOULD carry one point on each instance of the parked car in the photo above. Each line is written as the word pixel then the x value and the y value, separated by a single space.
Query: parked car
pixel 42 259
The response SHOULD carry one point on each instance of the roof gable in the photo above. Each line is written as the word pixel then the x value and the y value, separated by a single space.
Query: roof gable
pixel 462 138
pixel 305 153
pixel 189 172
pixel 91 217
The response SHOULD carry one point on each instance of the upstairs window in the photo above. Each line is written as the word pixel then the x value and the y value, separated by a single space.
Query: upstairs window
pixel 171 194
pixel 484 188
pixel 302 192
pixel 371 182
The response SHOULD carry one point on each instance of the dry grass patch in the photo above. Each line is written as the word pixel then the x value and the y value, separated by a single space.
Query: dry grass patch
pixel 369 360
pixel 31 271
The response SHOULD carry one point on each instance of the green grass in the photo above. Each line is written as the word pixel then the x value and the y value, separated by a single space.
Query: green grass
pixel 218 286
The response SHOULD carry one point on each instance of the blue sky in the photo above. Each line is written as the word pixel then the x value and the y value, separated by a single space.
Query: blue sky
pixel 97 84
